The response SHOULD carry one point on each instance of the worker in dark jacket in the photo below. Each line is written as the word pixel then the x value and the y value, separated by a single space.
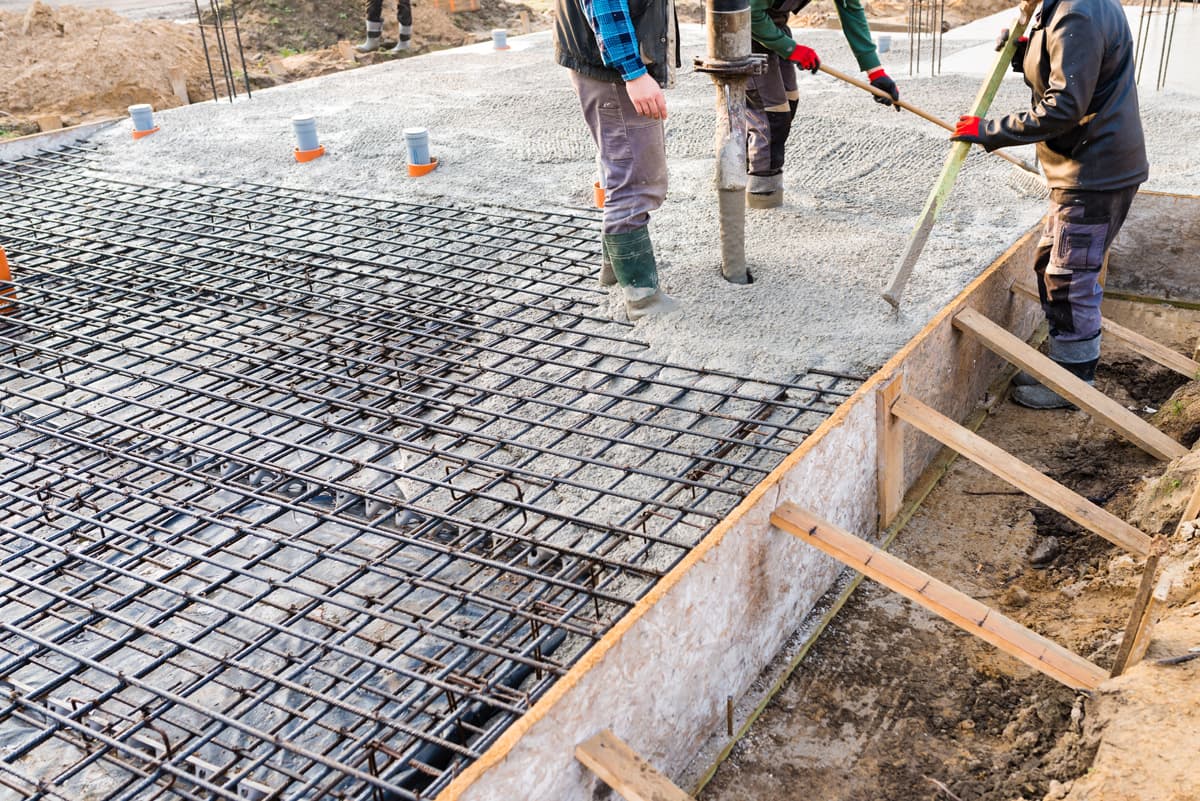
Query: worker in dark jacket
pixel 772 98
pixel 1078 61
pixel 620 62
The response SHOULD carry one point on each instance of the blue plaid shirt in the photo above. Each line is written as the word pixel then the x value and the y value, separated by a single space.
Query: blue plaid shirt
pixel 615 34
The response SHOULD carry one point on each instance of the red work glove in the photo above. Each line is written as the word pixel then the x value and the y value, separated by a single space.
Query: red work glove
pixel 806 57
pixel 967 130
pixel 880 80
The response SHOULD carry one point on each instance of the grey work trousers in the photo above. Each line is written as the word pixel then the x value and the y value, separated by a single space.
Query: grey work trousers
pixel 1080 227
pixel 633 154
pixel 770 92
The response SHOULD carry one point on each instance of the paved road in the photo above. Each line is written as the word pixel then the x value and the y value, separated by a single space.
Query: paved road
pixel 138 9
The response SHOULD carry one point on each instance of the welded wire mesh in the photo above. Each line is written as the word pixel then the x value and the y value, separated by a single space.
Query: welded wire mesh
pixel 312 496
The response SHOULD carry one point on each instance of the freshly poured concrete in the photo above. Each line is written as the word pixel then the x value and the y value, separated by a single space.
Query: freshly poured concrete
pixel 507 129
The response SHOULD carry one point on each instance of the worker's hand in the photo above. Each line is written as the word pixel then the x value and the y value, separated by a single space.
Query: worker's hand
pixel 967 130
pixel 880 80
pixel 1018 59
pixel 647 97
pixel 806 57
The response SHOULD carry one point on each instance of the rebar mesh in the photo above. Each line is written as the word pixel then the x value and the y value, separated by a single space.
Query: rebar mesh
pixel 311 497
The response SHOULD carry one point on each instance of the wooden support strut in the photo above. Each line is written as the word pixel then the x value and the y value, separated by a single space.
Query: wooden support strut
pixel 1079 392
pixel 889 452
pixel 960 609
pixel 1171 359
pixel 1008 467
pixel 1136 639
pixel 622 769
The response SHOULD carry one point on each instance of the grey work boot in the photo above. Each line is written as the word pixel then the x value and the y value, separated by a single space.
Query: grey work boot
pixel 632 257
pixel 374 38
pixel 1079 358
pixel 764 191
pixel 404 42
pixel 607 276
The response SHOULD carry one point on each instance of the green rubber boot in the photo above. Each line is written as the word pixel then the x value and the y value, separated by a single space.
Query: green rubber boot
pixel 632 257
pixel 607 276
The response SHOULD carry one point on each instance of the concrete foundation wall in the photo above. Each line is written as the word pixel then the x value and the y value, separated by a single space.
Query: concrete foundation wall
pixel 661 677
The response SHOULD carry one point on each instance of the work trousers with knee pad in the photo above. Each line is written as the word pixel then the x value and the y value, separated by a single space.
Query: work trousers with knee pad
pixel 403 12
pixel 1080 227
pixel 770 105
pixel 633 154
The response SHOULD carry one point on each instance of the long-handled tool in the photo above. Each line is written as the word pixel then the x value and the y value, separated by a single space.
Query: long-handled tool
pixel 925 115
pixel 954 162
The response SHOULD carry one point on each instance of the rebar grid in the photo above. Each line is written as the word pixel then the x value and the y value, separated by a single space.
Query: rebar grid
pixel 311 497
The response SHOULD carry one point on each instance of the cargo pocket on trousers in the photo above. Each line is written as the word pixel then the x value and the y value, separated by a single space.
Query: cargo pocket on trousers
pixel 614 139
pixel 1079 244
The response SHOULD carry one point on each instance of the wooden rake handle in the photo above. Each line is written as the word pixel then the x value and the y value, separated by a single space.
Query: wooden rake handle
pixel 925 115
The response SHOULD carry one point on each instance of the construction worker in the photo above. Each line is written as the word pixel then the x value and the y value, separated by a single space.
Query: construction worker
pixel 772 98
pixel 375 26
pixel 619 63
pixel 1078 60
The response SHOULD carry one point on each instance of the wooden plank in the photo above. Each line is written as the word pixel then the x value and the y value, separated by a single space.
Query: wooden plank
pixel 940 598
pixel 954 161
pixel 1136 342
pixel 1137 616
pixel 178 78
pixel 1136 639
pixel 889 452
pixel 1057 378
pixel 1153 350
pixel 1008 467
pixel 620 768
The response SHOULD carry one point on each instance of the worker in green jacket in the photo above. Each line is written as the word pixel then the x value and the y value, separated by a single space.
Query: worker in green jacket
pixel 771 98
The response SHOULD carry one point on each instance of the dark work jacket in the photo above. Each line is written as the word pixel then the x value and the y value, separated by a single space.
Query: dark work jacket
pixel 782 10
pixel 575 45
pixel 1085 119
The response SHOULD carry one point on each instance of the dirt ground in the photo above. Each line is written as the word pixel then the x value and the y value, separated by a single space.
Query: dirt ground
pixel 81 64
pixel 895 703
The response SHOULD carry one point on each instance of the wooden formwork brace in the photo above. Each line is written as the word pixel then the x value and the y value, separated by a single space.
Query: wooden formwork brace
pixel 1004 465
pixel 957 607
pixel 889 452
pixel 1079 392
pixel 632 777
pixel 1136 639
pixel 1138 343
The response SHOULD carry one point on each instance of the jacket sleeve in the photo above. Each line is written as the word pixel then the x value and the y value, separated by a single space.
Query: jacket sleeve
pixel 611 22
pixel 764 30
pixel 1075 48
pixel 858 33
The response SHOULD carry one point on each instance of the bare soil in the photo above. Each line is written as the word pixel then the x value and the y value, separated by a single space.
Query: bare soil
pixel 82 64
pixel 895 703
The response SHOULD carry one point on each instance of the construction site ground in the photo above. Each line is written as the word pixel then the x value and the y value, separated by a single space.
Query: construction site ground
pixel 893 702
pixel 88 60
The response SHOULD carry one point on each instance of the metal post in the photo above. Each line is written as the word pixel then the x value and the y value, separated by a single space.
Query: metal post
pixel 730 63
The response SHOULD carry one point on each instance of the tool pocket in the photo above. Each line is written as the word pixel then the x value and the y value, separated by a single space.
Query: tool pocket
pixel 1079 244
pixel 614 138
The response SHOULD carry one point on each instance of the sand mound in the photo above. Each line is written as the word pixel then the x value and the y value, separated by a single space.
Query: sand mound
pixel 80 63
